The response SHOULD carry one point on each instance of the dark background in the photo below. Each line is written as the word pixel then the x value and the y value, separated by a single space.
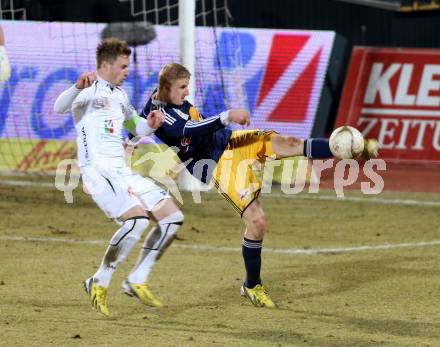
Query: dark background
pixel 360 25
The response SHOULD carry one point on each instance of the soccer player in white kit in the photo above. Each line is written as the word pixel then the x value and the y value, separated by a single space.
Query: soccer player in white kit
pixel 101 109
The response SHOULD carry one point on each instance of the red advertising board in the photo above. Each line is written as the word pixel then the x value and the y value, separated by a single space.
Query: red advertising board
pixel 393 95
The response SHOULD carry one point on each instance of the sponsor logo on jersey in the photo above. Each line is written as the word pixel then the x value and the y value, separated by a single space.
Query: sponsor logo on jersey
pixel 84 140
pixel 108 126
pixel 185 141
pixel 103 103
pixel 244 194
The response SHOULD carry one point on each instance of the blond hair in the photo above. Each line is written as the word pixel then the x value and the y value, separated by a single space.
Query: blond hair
pixel 170 73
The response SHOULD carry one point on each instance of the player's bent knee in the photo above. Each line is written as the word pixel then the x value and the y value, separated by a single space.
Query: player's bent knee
pixel 131 228
pixel 257 227
pixel 261 224
pixel 165 208
pixel 176 217
pixel 169 226
pixel 135 211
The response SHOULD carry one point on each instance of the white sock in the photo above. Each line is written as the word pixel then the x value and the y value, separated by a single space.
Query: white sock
pixel 155 244
pixel 120 246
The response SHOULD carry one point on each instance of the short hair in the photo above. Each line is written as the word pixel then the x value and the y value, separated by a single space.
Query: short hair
pixel 172 72
pixel 110 49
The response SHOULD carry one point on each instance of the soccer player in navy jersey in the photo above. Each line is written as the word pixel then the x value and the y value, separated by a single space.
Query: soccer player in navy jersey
pixel 201 141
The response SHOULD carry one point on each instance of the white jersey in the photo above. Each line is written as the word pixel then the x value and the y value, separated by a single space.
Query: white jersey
pixel 99 113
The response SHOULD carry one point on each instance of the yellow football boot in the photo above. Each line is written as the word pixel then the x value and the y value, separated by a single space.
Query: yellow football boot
pixel 257 296
pixel 371 149
pixel 142 292
pixel 98 296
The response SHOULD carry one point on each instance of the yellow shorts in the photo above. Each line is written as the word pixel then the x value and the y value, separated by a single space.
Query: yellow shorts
pixel 234 176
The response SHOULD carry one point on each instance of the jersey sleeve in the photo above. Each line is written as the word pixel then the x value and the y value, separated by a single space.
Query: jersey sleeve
pixel 129 125
pixel 197 124
pixel 203 127
pixel 138 126
pixel 128 110
pixel 68 99
pixel 175 127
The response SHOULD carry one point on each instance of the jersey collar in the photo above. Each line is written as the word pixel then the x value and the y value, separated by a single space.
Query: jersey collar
pixel 105 83
pixel 156 102
pixel 160 103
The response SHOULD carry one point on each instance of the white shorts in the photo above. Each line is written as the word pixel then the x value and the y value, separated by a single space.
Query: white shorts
pixel 116 190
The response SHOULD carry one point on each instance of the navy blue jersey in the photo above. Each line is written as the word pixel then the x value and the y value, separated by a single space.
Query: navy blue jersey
pixel 195 137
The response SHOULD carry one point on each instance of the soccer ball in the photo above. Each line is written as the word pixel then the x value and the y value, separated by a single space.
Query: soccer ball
pixel 346 142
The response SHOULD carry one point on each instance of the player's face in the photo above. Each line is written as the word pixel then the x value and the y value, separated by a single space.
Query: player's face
pixel 178 91
pixel 118 71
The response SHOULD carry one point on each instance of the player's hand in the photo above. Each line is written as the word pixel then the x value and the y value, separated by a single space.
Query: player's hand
pixel 239 116
pixel 155 119
pixel 129 149
pixel 85 80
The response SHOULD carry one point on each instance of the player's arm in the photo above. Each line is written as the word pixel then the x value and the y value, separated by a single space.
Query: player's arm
pixel 212 124
pixel 67 100
pixel 239 116
pixel 171 129
pixel 132 140
pixel 203 127
pixel 141 126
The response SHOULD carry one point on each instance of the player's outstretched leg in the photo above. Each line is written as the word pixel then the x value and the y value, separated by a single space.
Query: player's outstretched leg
pixel 314 148
pixel 120 246
pixel 170 219
pixel 252 288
